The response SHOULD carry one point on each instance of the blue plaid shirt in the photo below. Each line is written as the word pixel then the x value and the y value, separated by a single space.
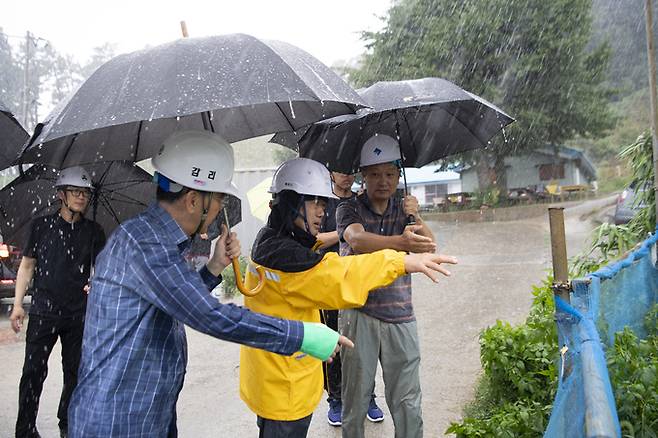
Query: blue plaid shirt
pixel 134 350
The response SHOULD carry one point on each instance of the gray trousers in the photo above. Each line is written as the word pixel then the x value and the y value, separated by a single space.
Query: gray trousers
pixel 396 347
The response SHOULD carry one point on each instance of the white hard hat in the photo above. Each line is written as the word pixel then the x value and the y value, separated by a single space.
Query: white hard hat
pixel 379 149
pixel 74 176
pixel 303 176
pixel 199 160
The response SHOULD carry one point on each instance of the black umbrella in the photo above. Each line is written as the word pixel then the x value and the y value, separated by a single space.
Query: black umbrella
pixel 121 190
pixel 12 137
pixel 235 85
pixel 432 118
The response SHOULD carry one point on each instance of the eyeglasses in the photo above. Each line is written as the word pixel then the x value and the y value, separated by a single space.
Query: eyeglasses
pixel 79 192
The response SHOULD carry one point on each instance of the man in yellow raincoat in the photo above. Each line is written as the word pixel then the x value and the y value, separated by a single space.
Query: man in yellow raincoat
pixel 284 391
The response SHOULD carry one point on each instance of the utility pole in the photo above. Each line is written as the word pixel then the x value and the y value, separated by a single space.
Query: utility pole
pixel 651 57
pixel 26 76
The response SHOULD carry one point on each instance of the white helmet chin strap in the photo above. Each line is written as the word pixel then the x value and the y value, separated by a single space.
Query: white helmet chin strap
pixel 304 216
pixel 204 213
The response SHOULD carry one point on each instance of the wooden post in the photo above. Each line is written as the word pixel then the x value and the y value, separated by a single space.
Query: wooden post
pixel 651 57
pixel 559 251
pixel 183 29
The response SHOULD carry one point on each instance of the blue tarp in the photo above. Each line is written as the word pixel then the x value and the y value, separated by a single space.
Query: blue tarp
pixel 602 304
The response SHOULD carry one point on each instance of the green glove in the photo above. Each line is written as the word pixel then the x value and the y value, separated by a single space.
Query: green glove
pixel 319 340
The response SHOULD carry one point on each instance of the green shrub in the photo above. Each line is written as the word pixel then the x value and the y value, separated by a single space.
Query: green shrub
pixel 523 419
pixel 514 397
pixel 633 369
pixel 489 197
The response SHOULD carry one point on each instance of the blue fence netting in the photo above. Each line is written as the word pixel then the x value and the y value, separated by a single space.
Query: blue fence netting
pixel 602 304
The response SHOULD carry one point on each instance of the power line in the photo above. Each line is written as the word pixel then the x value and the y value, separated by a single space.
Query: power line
pixel 22 37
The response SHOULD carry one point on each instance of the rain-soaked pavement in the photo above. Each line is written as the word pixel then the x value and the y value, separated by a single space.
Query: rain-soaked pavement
pixel 498 264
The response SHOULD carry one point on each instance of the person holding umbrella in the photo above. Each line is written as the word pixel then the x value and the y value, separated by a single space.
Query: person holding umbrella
pixel 329 236
pixel 284 391
pixel 385 327
pixel 57 257
pixel 143 292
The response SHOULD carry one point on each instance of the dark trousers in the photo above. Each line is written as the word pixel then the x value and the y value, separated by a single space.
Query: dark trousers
pixel 332 371
pixel 283 429
pixel 42 333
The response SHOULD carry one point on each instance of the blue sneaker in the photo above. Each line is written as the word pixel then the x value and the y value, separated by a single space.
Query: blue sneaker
pixel 374 413
pixel 334 415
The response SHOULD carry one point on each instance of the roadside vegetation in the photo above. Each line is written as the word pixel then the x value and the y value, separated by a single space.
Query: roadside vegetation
pixel 515 393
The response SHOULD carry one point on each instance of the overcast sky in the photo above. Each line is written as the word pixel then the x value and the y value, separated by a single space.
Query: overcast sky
pixel 329 30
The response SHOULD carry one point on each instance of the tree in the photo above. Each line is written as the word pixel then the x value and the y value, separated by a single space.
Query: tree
pixel 529 56
pixel 100 56
pixel 34 75
pixel 10 75
pixel 622 25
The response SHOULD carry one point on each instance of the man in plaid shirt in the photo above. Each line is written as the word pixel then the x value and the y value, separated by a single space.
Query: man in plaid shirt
pixel 143 293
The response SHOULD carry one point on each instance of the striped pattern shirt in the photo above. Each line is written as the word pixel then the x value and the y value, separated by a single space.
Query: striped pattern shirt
pixel 134 350
pixel 393 302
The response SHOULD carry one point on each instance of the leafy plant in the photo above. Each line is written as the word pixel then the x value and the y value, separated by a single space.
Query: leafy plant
pixel 633 369
pixel 490 197
pixel 523 419
pixel 520 375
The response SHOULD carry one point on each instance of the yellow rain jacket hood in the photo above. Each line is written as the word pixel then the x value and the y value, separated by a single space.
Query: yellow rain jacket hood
pixel 298 283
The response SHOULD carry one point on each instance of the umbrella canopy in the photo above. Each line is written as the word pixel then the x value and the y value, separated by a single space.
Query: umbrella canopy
pixel 235 85
pixel 12 137
pixel 432 118
pixel 121 191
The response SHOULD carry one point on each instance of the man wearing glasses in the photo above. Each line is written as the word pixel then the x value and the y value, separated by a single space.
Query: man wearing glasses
pixel 57 257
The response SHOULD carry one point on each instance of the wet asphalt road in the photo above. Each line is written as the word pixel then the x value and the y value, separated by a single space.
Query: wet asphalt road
pixel 498 264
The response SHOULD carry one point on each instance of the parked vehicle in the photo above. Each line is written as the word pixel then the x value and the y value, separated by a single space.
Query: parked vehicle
pixel 520 195
pixel 627 205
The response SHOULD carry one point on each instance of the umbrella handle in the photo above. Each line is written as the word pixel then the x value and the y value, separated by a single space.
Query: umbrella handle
pixel 240 283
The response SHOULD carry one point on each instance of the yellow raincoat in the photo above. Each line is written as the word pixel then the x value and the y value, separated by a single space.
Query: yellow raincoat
pixel 288 388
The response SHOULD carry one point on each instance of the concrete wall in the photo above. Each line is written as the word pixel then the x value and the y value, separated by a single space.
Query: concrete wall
pixel 419 191
pixel 523 171
pixel 455 187
pixel 470 180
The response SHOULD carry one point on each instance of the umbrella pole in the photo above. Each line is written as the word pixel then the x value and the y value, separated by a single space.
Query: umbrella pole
pixel 411 220
pixel 238 275
pixel 94 206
